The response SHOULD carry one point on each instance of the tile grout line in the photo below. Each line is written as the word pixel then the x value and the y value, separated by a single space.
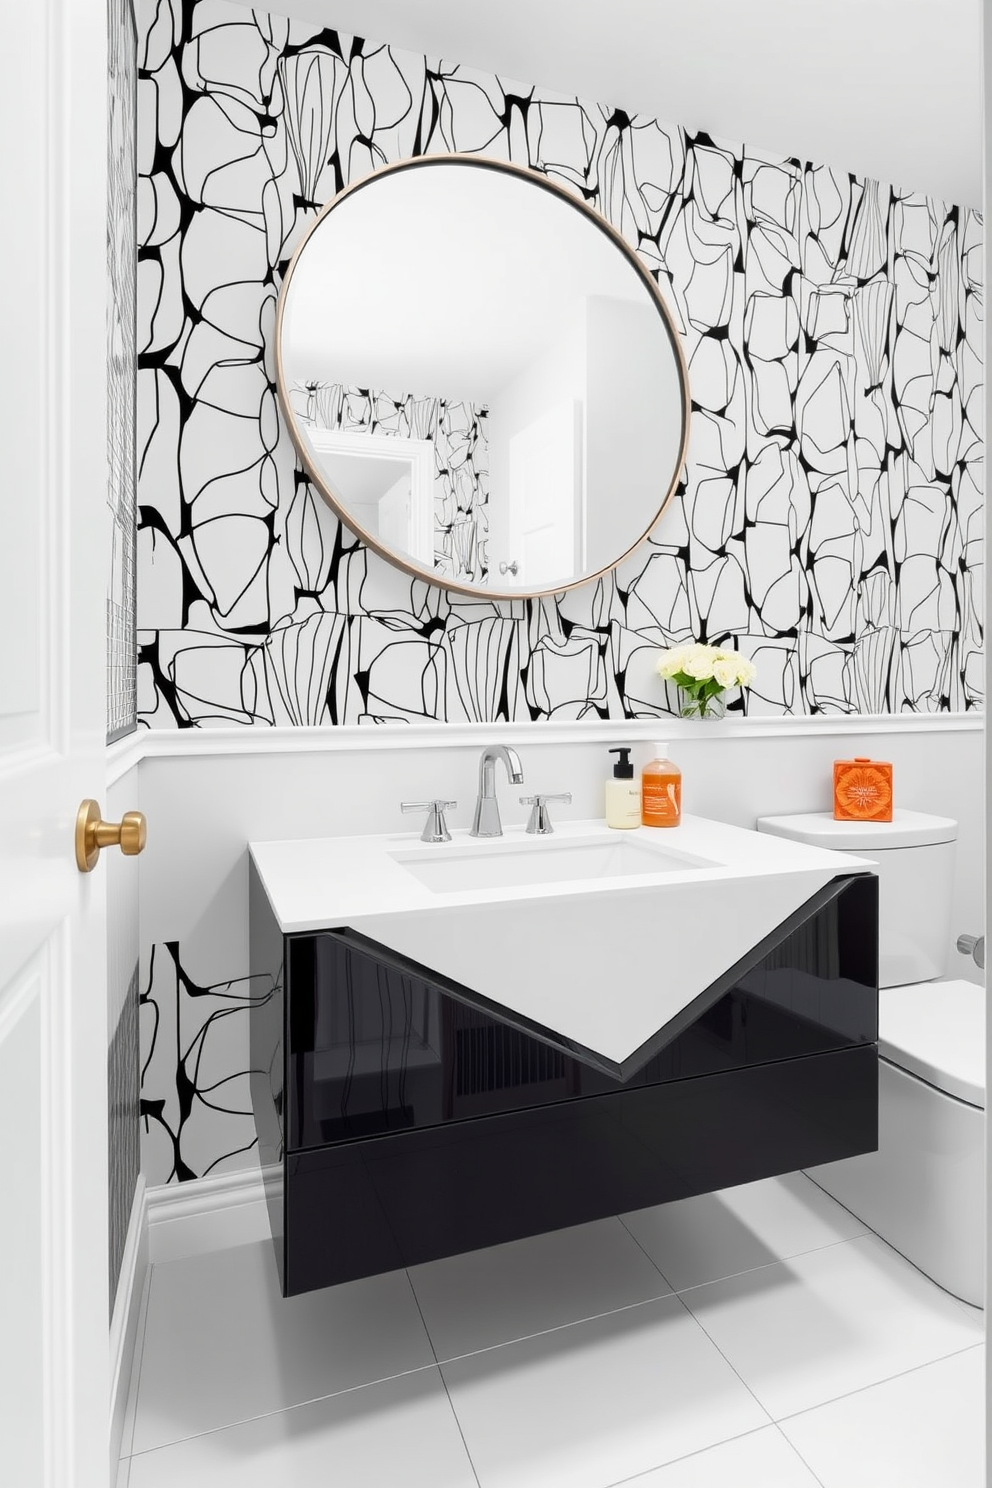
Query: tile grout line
pixel 686 1457
pixel 979 1343
pixel 689 1313
pixel 591 1317
pixel 400 1374
pixel 887 1379
pixel 723 1356
pixel 444 1382
pixel 281 1410
pixel 764 1265
pixel 792 1447
pixel 417 1369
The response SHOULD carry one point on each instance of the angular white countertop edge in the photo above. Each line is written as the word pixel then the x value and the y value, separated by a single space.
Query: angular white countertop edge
pixel 606 962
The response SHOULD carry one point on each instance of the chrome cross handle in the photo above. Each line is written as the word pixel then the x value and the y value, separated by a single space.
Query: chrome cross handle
pixel 540 824
pixel 435 827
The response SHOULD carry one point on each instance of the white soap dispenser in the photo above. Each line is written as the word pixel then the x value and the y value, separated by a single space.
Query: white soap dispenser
pixel 623 794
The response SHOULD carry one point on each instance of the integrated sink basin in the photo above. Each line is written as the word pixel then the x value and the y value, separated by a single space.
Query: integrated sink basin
pixel 601 937
pixel 504 865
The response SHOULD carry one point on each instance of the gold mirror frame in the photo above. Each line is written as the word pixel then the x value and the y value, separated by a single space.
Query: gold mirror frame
pixel 320 481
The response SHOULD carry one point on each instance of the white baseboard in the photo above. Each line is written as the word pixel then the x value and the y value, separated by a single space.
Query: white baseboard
pixel 186 1219
pixel 127 1309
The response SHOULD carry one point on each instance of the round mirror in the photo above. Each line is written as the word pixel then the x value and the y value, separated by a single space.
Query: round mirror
pixel 481 377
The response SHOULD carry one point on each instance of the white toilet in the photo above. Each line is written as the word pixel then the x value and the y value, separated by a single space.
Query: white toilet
pixel 924 1190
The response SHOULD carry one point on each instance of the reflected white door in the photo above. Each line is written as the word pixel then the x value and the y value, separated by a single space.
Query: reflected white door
pixel 53 584
pixel 545 529
pixel 395 516
pixel 393 474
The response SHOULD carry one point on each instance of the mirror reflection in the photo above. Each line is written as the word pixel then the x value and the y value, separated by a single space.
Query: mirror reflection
pixel 481 378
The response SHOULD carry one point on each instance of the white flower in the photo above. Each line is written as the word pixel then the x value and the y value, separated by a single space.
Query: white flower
pixel 703 663
pixel 670 662
pixel 699 663
pixel 725 672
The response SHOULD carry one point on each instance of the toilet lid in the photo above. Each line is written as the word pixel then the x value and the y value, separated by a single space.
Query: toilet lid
pixel 937 1030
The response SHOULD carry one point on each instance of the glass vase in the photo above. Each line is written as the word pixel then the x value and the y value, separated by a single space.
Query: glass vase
pixel 707 707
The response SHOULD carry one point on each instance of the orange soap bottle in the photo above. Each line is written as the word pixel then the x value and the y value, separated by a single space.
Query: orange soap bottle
pixel 661 791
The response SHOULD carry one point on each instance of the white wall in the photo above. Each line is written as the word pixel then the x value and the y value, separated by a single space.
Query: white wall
pixel 633 425
pixel 558 373
pixel 204 807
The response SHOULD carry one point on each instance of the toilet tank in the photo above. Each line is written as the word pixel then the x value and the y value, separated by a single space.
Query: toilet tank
pixel 915 857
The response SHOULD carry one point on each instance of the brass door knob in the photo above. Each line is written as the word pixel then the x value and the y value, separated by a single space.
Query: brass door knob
pixel 92 835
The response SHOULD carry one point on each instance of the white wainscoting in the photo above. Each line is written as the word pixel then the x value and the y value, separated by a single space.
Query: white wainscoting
pixel 161 744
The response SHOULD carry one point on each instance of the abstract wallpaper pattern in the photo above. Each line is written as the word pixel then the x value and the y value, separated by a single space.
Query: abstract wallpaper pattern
pixel 122 268
pixel 196 1112
pixel 458 431
pixel 830 519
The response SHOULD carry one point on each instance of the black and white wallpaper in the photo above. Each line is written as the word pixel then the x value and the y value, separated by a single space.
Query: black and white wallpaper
pixel 458 430
pixel 196 1112
pixel 121 366
pixel 830 519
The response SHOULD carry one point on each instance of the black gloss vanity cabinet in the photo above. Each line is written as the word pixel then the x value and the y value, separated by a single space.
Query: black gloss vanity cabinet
pixel 401 1118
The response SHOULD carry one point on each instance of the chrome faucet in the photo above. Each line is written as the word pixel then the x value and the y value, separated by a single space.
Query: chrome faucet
pixel 486 822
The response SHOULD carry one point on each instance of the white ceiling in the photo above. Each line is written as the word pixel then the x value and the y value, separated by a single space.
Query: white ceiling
pixel 884 88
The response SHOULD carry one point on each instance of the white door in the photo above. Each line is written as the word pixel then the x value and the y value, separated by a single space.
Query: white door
pixel 54 546
pixel 545 528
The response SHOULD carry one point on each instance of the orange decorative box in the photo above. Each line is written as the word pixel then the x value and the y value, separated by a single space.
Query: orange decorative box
pixel 862 790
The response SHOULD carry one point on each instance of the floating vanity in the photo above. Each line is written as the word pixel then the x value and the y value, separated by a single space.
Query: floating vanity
pixel 461 1043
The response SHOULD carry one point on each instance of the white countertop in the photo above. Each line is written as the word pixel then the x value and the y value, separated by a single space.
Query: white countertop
pixel 321 883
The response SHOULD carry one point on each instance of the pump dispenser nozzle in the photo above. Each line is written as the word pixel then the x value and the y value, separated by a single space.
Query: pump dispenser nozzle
pixel 623 769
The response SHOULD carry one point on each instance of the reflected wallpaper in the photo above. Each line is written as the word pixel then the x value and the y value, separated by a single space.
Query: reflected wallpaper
pixel 458 431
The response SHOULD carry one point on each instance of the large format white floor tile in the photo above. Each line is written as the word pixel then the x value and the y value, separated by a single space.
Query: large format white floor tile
pixel 763 1459
pixel 916 1431
pixel 706 1238
pixel 805 1331
pixel 222 1345
pixel 491 1296
pixel 591 1404
pixel 401 1431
